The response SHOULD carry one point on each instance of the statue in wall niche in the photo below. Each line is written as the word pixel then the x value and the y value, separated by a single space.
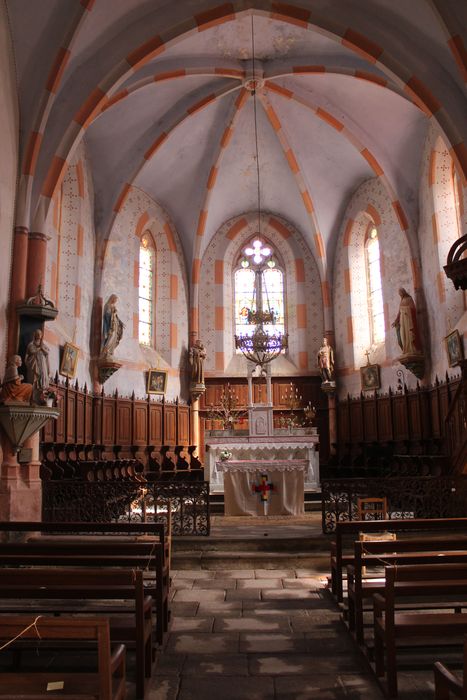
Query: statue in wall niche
pixel 12 389
pixel 37 362
pixel 112 327
pixel 406 325
pixel 326 361
pixel 197 357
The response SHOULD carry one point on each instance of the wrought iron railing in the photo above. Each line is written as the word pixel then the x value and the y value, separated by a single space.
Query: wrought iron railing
pixel 408 497
pixel 129 501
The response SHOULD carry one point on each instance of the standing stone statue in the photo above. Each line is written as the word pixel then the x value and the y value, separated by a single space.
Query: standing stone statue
pixel 112 327
pixel 326 361
pixel 406 325
pixel 37 362
pixel 197 357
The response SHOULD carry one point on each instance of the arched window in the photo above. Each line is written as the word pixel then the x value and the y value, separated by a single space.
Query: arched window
pixel 374 287
pixel 262 263
pixel 147 260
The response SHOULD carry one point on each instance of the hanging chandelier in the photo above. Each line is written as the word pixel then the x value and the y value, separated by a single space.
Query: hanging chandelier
pixel 261 346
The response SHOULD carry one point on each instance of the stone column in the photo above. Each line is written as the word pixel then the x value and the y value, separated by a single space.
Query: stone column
pixel 195 433
pixel 18 283
pixel 37 260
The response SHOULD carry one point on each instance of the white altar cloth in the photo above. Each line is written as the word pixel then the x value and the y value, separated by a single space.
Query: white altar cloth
pixel 263 450
pixel 281 482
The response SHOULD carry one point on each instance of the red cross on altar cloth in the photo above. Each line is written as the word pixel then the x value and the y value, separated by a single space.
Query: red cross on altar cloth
pixel 263 488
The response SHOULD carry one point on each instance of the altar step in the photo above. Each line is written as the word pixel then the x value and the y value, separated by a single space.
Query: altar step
pixel 255 543
pixel 226 559
pixel 312 502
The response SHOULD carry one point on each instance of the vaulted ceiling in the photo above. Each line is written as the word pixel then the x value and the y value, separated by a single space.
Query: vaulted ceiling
pixel 159 92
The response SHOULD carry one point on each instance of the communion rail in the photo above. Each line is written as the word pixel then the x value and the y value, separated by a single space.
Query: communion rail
pixel 407 497
pixel 70 500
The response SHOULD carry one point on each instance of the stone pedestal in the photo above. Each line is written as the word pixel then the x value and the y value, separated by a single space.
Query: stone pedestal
pixel 20 485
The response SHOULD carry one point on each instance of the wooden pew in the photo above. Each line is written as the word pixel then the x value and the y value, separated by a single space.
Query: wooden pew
pixel 74 586
pixel 146 556
pixel 447 683
pixel 107 684
pixel 377 554
pixel 391 626
pixel 134 530
pixel 351 529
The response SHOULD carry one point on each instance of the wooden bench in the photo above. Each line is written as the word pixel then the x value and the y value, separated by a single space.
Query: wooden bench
pixel 378 554
pixel 447 683
pixel 351 529
pixel 107 684
pixel 131 621
pixel 145 556
pixel 391 626
pixel 132 530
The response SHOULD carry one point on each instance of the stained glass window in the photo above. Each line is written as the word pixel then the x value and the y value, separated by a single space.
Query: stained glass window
pixel 147 256
pixel 272 295
pixel 375 290
pixel 245 301
pixel 273 299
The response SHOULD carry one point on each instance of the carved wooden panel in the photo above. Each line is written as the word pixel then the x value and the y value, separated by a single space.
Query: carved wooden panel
pixel 80 417
pixel 183 425
pixel 60 422
pixel 108 422
pixel 97 421
pixel 170 425
pixel 356 423
pixel 400 423
pixel 124 432
pixel 342 423
pixel 49 430
pixel 140 423
pixel 155 424
pixel 88 420
pixel 70 416
pixel 384 419
pixel 370 425
pixel 435 415
pixel 415 418
pixel 444 406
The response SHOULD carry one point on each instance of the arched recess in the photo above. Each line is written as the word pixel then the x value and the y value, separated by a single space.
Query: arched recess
pixel 70 264
pixel 369 206
pixel 119 275
pixel 442 221
pixel 303 292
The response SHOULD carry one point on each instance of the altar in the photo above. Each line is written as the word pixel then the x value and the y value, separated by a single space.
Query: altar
pixel 263 488
pixel 266 471
pixel 263 451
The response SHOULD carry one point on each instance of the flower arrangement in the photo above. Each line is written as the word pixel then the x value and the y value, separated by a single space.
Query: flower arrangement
pixel 49 397
pixel 225 455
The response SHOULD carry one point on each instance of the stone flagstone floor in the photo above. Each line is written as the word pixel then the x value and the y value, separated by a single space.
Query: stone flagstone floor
pixel 257 635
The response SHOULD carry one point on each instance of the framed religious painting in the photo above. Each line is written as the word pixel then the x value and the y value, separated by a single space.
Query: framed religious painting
pixel 370 377
pixel 69 360
pixel 454 348
pixel 157 381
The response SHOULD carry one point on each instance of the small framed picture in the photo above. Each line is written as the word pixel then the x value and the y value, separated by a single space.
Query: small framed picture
pixel 370 377
pixel 157 381
pixel 69 360
pixel 454 348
